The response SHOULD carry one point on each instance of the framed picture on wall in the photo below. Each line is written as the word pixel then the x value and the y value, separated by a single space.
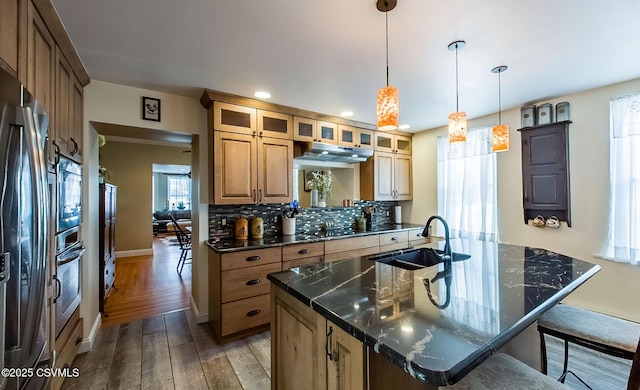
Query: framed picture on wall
pixel 307 176
pixel 150 109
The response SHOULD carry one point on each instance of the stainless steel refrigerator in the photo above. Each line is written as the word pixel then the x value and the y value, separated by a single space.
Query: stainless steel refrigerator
pixel 24 221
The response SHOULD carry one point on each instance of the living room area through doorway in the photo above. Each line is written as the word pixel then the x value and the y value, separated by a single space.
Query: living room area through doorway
pixel 171 197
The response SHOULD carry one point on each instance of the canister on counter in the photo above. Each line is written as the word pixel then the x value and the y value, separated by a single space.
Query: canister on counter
pixel 361 223
pixel 257 227
pixel 241 228
pixel 545 114
pixel 528 115
pixel 563 112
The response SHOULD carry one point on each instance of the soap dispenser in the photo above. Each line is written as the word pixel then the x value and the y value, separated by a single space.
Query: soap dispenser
pixel 361 223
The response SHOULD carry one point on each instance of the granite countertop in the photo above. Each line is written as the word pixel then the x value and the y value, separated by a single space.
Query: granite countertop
pixel 233 245
pixel 471 307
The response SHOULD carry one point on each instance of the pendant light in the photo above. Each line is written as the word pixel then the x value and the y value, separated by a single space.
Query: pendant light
pixel 388 105
pixel 457 120
pixel 500 132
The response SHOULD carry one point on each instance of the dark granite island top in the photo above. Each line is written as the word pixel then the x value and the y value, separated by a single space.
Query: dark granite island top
pixel 439 330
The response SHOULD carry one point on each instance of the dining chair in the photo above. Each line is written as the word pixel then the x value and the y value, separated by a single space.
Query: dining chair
pixel 184 240
pixel 600 332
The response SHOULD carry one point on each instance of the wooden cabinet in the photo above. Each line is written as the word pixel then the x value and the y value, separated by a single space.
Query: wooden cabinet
pixel 310 352
pixel 386 176
pixel 107 242
pixel 67 129
pixel 13 36
pixel 311 130
pixel 351 247
pixel 416 240
pixel 239 290
pixel 394 241
pixel 299 255
pixel 66 345
pixel 251 121
pixel 250 169
pixel 355 137
pixel 545 171
pixel 41 50
pixel 392 143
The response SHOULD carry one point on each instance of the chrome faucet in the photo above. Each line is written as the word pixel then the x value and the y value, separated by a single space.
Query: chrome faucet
pixel 447 245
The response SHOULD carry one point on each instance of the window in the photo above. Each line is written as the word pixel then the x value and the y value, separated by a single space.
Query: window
pixel 467 186
pixel 623 239
pixel 179 192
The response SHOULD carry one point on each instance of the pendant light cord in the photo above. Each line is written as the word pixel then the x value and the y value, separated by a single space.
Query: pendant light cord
pixel 457 110
pixel 499 99
pixel 386 21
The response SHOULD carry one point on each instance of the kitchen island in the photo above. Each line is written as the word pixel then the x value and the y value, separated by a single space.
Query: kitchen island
pixel 360 322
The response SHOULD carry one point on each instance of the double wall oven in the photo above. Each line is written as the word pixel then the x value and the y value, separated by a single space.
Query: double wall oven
pixel 68 246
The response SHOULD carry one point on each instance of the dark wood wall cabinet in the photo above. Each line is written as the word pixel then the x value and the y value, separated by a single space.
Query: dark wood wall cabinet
pixel 107 257
pixel 545 171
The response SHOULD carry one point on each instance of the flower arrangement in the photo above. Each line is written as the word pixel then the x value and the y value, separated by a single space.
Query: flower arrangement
pixel 103 173
pixel 322 182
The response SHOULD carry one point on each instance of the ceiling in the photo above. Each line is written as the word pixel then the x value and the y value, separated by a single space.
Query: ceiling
pixel 329 56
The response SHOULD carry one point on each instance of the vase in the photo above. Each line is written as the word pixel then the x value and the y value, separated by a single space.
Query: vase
pixel 322 200
pixel 314 197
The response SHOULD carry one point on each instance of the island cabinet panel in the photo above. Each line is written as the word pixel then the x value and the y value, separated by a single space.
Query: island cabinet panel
pixel 346 365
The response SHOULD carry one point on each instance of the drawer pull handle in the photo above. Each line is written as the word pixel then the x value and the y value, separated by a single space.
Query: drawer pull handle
pixel 394 238
pixel 252 282
pixel 304 251
pixel 253 313
pixel 253 258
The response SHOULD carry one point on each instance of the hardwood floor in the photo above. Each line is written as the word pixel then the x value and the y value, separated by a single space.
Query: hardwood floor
pixel 148 286
pixel 148 342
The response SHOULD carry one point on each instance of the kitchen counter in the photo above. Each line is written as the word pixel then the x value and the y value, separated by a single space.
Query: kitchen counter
pixel 438 334
pixel 232 245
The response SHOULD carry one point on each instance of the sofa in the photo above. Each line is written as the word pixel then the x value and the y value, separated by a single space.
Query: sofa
pixel 162 220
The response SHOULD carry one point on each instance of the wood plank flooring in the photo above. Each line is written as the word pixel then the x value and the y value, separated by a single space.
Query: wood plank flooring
pixel 149 343
pixel 148 286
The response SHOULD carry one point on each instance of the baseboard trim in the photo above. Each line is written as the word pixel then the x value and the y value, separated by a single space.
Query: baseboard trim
pixel 200 317
pixel 135 252
pixel 86 344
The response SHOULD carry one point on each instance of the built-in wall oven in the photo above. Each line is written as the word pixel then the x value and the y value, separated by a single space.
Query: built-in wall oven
pixel 68 245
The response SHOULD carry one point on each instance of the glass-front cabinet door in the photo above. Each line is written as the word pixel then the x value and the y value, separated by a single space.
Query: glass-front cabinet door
pixel 384 142
pixel 234 118
pixel 347 136
pixel 328 132
pixel 365 138
pixel 275 125
pixel 304 129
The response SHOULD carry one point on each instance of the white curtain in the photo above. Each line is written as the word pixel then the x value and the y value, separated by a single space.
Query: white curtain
pixel 467 186
pixel 623 239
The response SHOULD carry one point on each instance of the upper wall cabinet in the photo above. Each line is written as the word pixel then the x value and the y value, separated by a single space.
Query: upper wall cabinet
pixel 234 118
pixel 394 143
pixel 13 36
pixel 275 125
pixel 311 130
pixel 545 171
pixel 355 137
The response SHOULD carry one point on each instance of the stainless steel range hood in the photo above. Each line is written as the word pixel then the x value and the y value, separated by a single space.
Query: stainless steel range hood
pixel 322 152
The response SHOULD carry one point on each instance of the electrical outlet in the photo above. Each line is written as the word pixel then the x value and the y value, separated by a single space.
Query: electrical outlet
pixel 388 213
pixel 223 222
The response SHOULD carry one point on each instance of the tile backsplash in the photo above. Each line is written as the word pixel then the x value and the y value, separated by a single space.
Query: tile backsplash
pixel 307 220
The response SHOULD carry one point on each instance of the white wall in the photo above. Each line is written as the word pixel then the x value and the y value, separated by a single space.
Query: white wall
pixel 118 104
pixel 614 289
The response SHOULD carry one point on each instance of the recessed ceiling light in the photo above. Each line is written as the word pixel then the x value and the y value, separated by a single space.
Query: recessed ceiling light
pixel 404 127
pixel 262 95
pixel 346 113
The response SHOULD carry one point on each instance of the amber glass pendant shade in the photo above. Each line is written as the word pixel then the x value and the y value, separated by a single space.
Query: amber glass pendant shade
pixel 500 138
pixel 388 108
pixel 458 127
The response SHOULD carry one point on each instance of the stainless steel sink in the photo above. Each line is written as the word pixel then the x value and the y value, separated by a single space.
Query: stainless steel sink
pixel 413 259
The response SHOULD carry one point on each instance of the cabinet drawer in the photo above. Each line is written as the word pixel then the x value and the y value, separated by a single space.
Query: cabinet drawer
pixel 301 262
pixel 250 258
pixel 348 244
pixel 67 353
pixel 245 314
pixel 300 251
pixel 415 237
pixel 395 239
pixel 329 257
pixel 247 282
